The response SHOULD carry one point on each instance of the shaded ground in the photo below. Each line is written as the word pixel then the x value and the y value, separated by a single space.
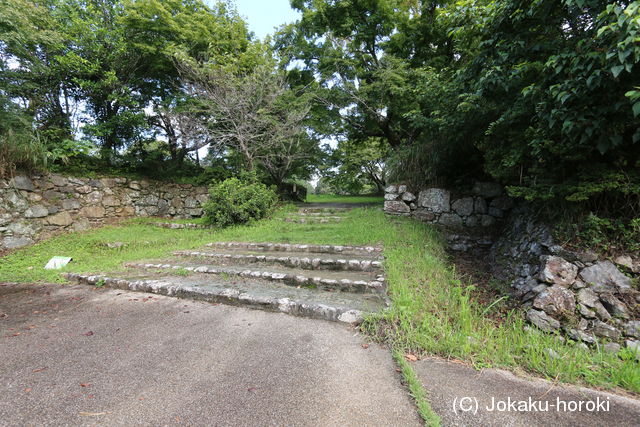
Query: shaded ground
pixel 455 390
pixel 79 355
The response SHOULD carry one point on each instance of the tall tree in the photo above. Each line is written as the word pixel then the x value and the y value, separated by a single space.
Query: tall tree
pixel 252 113
pixel 160 30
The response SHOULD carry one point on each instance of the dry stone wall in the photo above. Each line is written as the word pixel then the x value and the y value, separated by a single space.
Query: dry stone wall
pixel 578 293
pixel 467 217
pixel 483 207
pixel 33 206
pixel 575 293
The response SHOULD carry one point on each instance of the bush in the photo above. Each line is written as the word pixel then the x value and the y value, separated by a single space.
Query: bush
pixel 21 152
pixel 608 234
pixel 237 201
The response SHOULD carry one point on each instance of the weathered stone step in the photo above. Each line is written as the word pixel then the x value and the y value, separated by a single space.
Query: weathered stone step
pixel 323 280
pixel 316 220
pixel 318 216
pixel 176 225
pixel 323 210
pixel 337 307
pixel 314 214
pixel 304 261
pixel 291 247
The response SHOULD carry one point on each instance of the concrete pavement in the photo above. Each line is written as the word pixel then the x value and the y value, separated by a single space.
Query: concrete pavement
pixel 75 355
pixel 463 396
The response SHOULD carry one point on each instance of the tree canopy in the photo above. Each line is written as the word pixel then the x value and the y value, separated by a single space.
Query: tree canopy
pixel 105 81
pixel 543 96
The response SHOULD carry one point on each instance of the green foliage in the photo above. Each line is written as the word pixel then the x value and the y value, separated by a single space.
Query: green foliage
pixel 357 167
pixel 20 146
pixel 295 191
pixel 20 151
pixel 604 234
pixel 237 201
pixel 105 70
pixel 541 96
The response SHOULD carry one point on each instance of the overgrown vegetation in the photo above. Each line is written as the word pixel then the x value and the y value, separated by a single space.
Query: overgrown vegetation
pixel 543 97
pixel 238 201
pixel 433 312
pixel 163 89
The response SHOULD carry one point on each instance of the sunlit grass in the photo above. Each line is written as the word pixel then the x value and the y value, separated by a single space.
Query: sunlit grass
pixel 333 198
pixel 432 312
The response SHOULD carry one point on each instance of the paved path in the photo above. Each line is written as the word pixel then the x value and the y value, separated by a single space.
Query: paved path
pixel 87 356
pixel 451 383
pixel 81 355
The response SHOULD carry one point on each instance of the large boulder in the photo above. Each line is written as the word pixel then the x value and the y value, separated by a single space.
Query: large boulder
pixel 61 219
pixel 408 197
pixel 396 207
pixel 111 201
pixel 13 242
pixel 22 183
pixel 463 206
pixel 556 301
pixel 424 215
pixel 70 204
pixel 59 181
pixel 21 228
pixel 614 306
pixel 14 202
pixel 632 329
pixel 36 211
pixel 557 271
pixel 605 277
pixel 435 199
pixel 605 330
pixel 93 211
pixel 94 197
pixel 391 189
pixel 590 299
pixel 480 205
pixel 542 320
pixel 190 202
pixel 450 220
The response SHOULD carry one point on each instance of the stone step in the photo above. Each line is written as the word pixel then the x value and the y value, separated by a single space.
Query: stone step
pixel 254 293
pixel 314 214
pixel 292 247
pixel 323 210
pixel 304 262
pixel 343 281
pixel 312 217
pixel 176 225
pixel 316 220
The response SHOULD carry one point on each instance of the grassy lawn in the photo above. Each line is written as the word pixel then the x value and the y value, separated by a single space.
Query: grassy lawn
pixel 333 198
pixel 433 312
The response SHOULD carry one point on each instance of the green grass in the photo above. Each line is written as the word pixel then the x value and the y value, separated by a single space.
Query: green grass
pixel 433 313
pixel 430 418
pixel 333 198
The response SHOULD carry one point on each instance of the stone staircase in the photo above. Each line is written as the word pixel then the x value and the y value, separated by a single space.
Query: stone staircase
pixel 336 283
pixel 316 215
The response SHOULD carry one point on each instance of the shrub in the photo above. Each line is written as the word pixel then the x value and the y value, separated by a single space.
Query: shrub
pixel 237 201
